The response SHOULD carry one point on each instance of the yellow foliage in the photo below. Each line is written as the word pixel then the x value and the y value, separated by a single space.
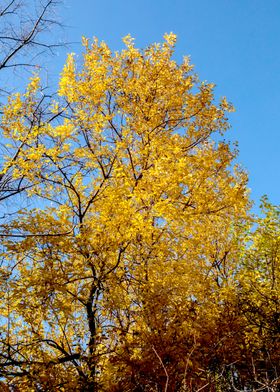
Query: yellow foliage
pixel 134 238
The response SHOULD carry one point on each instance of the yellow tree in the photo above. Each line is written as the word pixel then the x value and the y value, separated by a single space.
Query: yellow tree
pixel 130 241
pixel 258 301
pixel 23 38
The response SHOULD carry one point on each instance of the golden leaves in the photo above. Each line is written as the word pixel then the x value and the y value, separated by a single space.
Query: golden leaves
pixel 134 239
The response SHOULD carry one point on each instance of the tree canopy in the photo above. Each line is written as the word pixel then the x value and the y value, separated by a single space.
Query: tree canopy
pixel 134 266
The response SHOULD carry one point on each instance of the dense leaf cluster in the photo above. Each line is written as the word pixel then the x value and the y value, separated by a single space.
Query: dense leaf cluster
pixel 135 265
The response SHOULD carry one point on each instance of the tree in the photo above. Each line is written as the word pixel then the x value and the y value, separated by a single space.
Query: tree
pixel 23 27
pixel 23 40
pixel 125 278
pixel 259 300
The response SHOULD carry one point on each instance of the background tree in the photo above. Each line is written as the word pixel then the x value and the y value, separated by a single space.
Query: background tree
pixel 25 37
pixel 259 300
pixel 125 278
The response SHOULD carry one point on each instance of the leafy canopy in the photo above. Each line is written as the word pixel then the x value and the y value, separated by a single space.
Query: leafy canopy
pixel 126 271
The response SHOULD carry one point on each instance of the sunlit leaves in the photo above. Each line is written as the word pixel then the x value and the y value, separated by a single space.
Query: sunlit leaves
pixel 130 254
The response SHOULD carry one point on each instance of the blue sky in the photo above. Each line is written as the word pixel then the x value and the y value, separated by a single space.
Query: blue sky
pixel 232 43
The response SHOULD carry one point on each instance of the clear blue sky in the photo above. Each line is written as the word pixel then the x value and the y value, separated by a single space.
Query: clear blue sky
pixel 233 43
